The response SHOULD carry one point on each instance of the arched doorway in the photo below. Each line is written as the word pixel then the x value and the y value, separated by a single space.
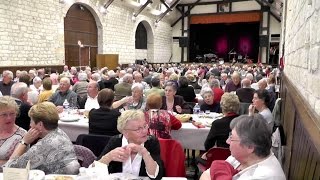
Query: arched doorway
pixel 80 37
pixel 144 42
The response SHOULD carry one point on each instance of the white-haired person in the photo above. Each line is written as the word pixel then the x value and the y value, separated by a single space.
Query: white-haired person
pixel 133 151
pixel 251 156
pixel 80 87
pixel 208 103
pixel 135 101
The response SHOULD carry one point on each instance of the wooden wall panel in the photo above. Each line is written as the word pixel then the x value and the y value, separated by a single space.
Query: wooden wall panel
pixel 302 159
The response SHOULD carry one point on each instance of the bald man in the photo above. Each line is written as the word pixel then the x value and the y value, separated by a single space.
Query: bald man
pixel 245 93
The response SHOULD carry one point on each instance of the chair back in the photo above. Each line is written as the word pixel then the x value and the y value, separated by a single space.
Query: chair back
pixel 216 153
pixel 94 142
pixel 173 157
pixel 85 156
pixel 244 108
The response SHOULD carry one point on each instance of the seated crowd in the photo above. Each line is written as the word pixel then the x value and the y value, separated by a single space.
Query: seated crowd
pixel 137 105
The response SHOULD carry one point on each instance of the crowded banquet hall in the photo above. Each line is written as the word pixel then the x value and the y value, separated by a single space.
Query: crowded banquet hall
pixel 160 89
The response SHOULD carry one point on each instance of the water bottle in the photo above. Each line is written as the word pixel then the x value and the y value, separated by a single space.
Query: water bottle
pixel 65 105
pixel 196 109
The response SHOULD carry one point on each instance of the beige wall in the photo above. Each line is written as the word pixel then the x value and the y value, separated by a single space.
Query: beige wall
pixel 32 32
pixel 302 50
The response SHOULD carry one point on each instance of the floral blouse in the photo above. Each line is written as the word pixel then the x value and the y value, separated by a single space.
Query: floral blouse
pixel 53 154
pixel 8 145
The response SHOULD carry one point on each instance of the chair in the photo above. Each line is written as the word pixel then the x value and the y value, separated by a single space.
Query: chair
pixel 94 142
pixel 85 156
pixel 173 157
pixel 214 153
pixel 244 108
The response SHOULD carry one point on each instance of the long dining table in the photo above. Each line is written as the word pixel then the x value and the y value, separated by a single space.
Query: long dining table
pixel 190 136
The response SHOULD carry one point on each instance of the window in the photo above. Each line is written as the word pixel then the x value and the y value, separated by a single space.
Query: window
pixel 141 37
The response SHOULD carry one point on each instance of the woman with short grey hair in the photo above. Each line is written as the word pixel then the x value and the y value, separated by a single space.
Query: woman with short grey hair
pixel 250 144
pixel 208 103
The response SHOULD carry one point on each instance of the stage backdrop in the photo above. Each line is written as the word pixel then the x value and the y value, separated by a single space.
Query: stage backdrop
pixel 222 39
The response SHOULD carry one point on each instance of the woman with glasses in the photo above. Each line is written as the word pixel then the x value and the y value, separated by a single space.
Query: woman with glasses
pixel 133 151
pixel 53 153
pixel 172 102
pixel 251 157
pixel 10 133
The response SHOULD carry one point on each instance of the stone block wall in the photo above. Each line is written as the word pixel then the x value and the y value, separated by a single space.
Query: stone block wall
pixel 302 48
pixel 32 32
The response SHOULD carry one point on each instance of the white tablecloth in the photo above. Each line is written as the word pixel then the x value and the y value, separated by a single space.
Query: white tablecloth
pixel 189 136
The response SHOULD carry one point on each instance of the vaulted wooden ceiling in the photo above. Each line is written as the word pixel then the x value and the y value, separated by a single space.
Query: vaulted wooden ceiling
pixel 171 11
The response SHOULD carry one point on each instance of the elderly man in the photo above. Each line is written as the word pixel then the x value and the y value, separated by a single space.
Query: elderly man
pixel 123 89
pixel 155 83
pixel 64 93
pixel 90 101
pixel 6 83
pixel 19 91
pixel 245 93
pixel 234 84
pixel 138 79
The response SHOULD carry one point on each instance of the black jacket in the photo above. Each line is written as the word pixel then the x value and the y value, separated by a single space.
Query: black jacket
pixel 219 132
pixel 152 145
pixel 103 121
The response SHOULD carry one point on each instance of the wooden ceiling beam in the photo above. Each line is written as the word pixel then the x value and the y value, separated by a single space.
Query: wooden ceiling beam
pixel 142 8
pixel 184 14
pixel 166 12
pixel 107 4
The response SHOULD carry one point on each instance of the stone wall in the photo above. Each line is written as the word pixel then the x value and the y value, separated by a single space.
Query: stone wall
pixel 302 48
pixel 32 32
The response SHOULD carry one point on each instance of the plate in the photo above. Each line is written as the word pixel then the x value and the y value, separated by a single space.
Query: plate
pixel 36 175
pixel 60 177
pixel 70 118
pixel 125 176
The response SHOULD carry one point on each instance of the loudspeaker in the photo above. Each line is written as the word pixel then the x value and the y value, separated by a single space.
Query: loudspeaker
pixel 183 41
pixel 263 41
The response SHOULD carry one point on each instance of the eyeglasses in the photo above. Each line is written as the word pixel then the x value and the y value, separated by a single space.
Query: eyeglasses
pixel 140 129
pixel 230 138
pixel 5 115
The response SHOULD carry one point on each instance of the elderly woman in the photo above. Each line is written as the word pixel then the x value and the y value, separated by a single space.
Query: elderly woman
pixel 220 130
pixel 80 87
pixel 135 101
pixel 160 121
pixel 186 91
pixel 104 120
pixel 54 152
pixel 260 102
pixel 250 143
pixel 208 101
pixel 133 151
pixel 173 102
pixel 10 133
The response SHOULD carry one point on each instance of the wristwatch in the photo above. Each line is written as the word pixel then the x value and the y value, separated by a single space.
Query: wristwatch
pixel 24 143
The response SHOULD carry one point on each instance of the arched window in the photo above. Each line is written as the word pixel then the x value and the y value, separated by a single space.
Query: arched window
pixel 141 37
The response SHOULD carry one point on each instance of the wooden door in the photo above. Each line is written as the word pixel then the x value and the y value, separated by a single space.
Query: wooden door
pixel 84 56
pixel 80 25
